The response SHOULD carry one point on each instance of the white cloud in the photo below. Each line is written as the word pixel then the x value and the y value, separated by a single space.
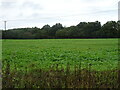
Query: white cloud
pixel 30 13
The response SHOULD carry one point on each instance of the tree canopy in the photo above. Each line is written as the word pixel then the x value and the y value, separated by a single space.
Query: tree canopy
pixel 82 30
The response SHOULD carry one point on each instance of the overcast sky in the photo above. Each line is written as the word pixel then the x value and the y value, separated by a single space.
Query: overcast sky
pixel 31 13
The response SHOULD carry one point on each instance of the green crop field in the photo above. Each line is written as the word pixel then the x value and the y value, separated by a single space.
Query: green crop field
pixel 101 53
pixel 96 54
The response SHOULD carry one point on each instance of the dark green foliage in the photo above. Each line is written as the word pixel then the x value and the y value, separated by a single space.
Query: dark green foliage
pixel 82 30
pixel 59 78
pixel 55 28
pixel 110 29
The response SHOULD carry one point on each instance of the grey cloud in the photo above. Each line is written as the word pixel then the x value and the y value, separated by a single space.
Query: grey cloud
pixel 119 10
pixel 89 0
pixel 8 4
pixel 31 5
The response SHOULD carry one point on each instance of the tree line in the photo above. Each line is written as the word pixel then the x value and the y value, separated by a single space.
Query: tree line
pixel 83 30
